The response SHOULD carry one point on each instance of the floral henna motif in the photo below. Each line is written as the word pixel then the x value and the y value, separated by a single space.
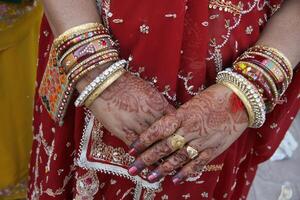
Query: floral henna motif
pixel 133 94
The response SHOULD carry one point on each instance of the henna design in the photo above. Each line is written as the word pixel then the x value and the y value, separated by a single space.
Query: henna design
pixel 209 117
pixel 128 106
pixel 132 94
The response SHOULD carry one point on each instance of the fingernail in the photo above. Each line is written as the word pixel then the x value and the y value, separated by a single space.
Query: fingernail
pixel 132 152
pixel 153 177
pixel 136 167
pixel 133 171
pixel 137 146
pixel 176 180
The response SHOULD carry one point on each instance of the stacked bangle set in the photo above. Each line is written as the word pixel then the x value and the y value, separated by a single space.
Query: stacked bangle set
pixel 259 77
pixel 73 54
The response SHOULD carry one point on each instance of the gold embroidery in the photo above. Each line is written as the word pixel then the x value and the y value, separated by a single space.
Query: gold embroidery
pixel 101 151
pixel 227 6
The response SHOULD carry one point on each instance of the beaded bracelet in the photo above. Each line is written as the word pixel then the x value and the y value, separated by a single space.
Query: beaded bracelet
pixel 88 90
pixel 248 94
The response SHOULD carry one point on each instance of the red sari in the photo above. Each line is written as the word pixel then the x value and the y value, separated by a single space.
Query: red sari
pixel 178 46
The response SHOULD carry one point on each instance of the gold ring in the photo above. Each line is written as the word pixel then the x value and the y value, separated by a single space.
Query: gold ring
pixel 177 141
pixel 193 153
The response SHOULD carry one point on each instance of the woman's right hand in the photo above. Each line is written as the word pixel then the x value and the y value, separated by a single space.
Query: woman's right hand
pixel 129 106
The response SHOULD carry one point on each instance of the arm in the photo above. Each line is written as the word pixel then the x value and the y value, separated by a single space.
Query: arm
pixel 63 15
pixel 283 29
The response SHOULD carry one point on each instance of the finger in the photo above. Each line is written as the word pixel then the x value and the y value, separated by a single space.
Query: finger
pixel 177 160
pixel 129 135
pixel 161 129
pixel 152 155
pixel 157 152
pixel 194 166
pixel 169 109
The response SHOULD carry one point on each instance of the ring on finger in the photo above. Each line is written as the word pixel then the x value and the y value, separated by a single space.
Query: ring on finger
pixel 192 152
pixel 177 141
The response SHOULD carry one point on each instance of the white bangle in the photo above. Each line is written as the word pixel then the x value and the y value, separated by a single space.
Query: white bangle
pixel 88 90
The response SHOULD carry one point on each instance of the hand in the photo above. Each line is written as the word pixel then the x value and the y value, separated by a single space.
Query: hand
pixel 209 123
pixel 128 107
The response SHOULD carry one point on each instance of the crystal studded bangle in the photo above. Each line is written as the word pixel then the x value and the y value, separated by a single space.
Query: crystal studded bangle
pixel 100 89
pixel 249 95
pixel 88 90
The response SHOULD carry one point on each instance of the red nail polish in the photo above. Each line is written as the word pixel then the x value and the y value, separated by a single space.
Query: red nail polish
pixel 133 171
pixel 176 181
pixel 132 152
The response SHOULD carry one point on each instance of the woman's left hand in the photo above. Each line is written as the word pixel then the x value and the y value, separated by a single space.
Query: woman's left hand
pixel 190 138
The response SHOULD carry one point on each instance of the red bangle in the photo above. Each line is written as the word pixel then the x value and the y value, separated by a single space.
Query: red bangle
pixel 256 77
pixel 271 67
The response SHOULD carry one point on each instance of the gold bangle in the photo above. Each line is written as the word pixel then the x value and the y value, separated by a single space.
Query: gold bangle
pixel 104 86
pixel 243 98
pixel 76 30
pixel 248 94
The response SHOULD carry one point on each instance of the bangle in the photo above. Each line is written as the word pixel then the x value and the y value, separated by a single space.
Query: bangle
pixel 270 81
pixel 249 96
pixel 255 77
pixel 271 66
pixel 88 90
pixel 78 45
pixel 243 98
pixel 91 66
pixel 100 89
pixel 75 31
pixel 85 63
pixel 278 56
pixel 81 37
pixel 83 52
